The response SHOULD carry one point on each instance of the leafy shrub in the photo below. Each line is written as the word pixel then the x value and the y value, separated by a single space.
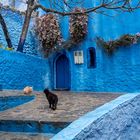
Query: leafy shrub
pixel 124 40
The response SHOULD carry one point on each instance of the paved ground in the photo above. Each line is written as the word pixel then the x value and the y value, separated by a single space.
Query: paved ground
pixel 70 107
pixel 22 136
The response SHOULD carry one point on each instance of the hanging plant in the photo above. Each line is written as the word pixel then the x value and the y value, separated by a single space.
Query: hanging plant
pixel 48 31
pixel 124 40
pixel 78 25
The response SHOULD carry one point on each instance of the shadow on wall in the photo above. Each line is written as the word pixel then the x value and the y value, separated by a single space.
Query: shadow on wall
pixel 14 22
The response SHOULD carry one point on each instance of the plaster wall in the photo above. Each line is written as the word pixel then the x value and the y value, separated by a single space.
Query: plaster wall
pixel 18 4
pixel 18 70
pixel 121 123
pixel 118 72
pixel 14 22
pixel 118 119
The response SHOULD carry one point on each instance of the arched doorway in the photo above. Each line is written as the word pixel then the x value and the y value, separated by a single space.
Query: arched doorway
pixel 62 71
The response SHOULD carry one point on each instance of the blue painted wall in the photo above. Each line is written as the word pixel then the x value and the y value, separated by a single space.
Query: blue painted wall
pixel 14 22
pixel 10 102
pixel 18 70
pixel 32 127
pixel 110 126
pixel 113 73
pixel 115 120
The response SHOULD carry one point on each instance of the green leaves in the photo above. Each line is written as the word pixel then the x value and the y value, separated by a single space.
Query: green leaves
pixel 124 40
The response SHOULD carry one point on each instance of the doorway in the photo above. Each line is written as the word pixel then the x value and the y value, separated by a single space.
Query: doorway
pixel 62 70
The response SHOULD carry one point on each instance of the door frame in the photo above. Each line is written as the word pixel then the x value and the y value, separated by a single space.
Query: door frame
pixel 54 70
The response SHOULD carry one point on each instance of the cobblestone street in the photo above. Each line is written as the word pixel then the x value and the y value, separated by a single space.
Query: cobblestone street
pixel 70 107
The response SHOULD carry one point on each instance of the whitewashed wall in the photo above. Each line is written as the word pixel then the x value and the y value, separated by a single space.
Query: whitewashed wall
pixel 19 4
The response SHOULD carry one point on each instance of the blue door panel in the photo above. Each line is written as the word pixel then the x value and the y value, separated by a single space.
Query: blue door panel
pixel 62 73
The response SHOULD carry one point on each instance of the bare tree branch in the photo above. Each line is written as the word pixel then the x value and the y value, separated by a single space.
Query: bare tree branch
pixel 67 13
pixel 103 5
pixel 122 5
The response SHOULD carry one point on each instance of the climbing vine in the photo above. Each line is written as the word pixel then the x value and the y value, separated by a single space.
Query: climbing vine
pixel 124 40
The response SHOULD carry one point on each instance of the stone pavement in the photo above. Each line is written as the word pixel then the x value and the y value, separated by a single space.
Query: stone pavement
pixel 70 107
pixel 22 136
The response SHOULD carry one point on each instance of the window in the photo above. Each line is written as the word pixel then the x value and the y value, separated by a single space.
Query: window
pixel 91 57
pixel 78 57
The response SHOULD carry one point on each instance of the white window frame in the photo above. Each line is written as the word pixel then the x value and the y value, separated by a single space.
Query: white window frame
pixel 78 57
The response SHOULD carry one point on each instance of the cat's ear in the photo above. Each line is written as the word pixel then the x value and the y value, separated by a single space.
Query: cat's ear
pixel 46 90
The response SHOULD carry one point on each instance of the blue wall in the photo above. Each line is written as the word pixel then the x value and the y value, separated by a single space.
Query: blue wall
pixel 110 126
pixel 18 70
pixel 113 73
pixel 46 129
pixel 14 22
pixel 10 102
pixel 118 72
pixel 115 120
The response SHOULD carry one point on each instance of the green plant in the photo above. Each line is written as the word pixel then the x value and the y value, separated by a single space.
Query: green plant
pixel 124 40
pixel 9 49
pixel 1 46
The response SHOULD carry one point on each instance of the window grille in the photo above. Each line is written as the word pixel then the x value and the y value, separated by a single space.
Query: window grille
pixel 78 57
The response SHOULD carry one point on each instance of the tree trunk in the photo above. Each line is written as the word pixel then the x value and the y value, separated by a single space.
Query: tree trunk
pixel 25 26
pixel 5 30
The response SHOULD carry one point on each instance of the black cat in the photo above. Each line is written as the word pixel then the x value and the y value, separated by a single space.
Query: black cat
pixel 52 99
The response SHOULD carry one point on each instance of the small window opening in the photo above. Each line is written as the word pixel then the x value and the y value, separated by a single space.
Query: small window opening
pixel 91 58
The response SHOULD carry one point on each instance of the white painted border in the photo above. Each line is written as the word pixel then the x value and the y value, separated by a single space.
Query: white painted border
pixel 77 126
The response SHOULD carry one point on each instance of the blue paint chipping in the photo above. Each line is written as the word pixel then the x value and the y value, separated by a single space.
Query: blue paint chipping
pixel 110 121
pixel 9 102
